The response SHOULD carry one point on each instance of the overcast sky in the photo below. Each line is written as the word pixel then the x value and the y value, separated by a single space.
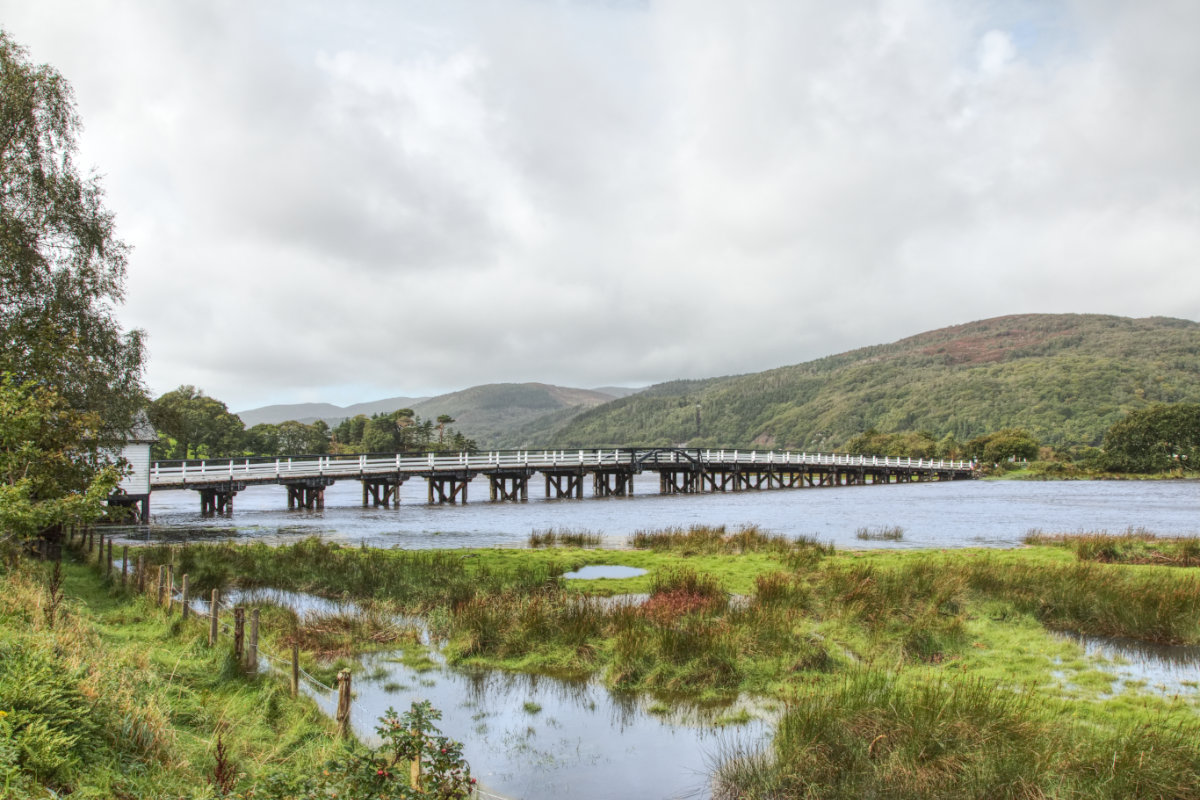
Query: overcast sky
pixel 348 201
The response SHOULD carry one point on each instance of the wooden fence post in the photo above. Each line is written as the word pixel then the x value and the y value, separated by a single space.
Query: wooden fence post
pixel 108 561
pixel 213 616
pixel 170 587
pixel 162 579
pixel 343 707
pixel 185 598
pixel 295 669
pixel 239 633
pixel 141 573
pixel 124 563
pixel 252 649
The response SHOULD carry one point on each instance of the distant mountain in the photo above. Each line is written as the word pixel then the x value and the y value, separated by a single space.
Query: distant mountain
pixel 311 412
pixel 1065 377
pixel 617 392
pixel 490 414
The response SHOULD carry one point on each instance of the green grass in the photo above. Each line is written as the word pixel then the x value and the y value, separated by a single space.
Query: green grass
pixel 878 733
pixel 1134 546
pixel 118 700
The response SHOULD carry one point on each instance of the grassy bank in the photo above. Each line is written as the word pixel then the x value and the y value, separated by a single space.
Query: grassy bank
pixel 104 696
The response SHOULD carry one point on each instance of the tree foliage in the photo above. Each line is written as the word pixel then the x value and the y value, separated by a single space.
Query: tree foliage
pixel 402 430
pixel 1002 445
pixel 193 425
pixel 1161 437
pixel 51 471
pixel 62 268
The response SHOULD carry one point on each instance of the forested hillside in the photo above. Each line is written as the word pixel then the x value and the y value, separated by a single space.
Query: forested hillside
pixel 1064 377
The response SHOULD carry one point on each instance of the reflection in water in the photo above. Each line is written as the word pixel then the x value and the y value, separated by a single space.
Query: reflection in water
pixel 536 737
pixel 1169 669
pixel 540 738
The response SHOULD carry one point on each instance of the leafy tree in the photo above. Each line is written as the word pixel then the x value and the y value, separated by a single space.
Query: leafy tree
pixel 52 472
pixel 199 426
pixel 1003 445
pixel 62 269
pixel 442 421
pixel 1153 439
pixel 296 437
pixel 263 439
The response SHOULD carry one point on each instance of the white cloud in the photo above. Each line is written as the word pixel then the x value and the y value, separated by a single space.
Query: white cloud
pixel 379 199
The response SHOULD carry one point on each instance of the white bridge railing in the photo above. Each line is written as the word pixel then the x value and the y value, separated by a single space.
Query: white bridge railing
pixel 175 473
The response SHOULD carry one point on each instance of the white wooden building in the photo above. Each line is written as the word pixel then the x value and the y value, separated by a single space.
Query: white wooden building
pixel 134 489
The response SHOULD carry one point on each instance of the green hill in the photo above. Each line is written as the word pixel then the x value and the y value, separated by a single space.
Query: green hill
pixel 487 413
pixel 1064 377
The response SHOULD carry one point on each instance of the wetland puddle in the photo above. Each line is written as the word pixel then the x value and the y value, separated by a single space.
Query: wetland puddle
pixel 535 737
pixel 597 571
pixel 1159 668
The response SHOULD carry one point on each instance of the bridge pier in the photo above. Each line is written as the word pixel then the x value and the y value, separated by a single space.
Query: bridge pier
pixel 448 487
pixel 612 483
pixel 684 480
pixel 509 485
pixel 307 494
pixel 139 503
pixel 217 499
pixel 382 491
pixel 564 483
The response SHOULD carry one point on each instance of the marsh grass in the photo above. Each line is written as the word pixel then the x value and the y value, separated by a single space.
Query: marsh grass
pixel 709 539
pixel 884 533
pixel 564 537
pixel 870 733
pixel 411 579
pixel 1134 546
pixel 1160 606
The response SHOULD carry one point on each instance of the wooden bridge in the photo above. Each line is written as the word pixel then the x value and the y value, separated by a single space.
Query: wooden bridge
pixel 680 471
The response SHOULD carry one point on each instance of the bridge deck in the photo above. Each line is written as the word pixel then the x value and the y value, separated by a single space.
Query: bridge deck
pixel 327 469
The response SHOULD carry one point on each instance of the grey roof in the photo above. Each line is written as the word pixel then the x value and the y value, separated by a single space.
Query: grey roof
pixel 142 432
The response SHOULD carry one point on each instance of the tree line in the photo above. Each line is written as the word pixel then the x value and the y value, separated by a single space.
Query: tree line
pixel 191 424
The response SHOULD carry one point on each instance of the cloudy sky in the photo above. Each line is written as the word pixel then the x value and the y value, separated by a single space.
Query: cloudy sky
pixel 348 201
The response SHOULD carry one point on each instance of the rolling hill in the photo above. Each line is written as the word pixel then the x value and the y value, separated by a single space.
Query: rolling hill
pixel 1064 377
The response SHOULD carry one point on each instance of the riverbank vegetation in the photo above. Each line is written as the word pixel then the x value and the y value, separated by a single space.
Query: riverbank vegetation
pixel 904 673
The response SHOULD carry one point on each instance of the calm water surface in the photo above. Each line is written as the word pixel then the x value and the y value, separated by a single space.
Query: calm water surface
pixel 953 514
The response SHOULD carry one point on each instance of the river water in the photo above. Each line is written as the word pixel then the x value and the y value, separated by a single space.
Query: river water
pixel 952 514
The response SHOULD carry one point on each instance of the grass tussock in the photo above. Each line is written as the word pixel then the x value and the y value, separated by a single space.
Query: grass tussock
pixel 1152 605
pixel 564 537
pixel 1134 546
pixel 883 533
pixel 875 734
pixel 710 539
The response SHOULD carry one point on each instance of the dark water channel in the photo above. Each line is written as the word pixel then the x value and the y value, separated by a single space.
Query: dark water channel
pixel 957 514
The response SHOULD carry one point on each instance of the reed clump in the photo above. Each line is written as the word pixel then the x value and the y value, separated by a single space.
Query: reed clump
pixel 1088 597
pixel 921 606
pixel 717 539
pixel 871 733
pixel 564 537
pixel 1134 546
pixel 883 533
